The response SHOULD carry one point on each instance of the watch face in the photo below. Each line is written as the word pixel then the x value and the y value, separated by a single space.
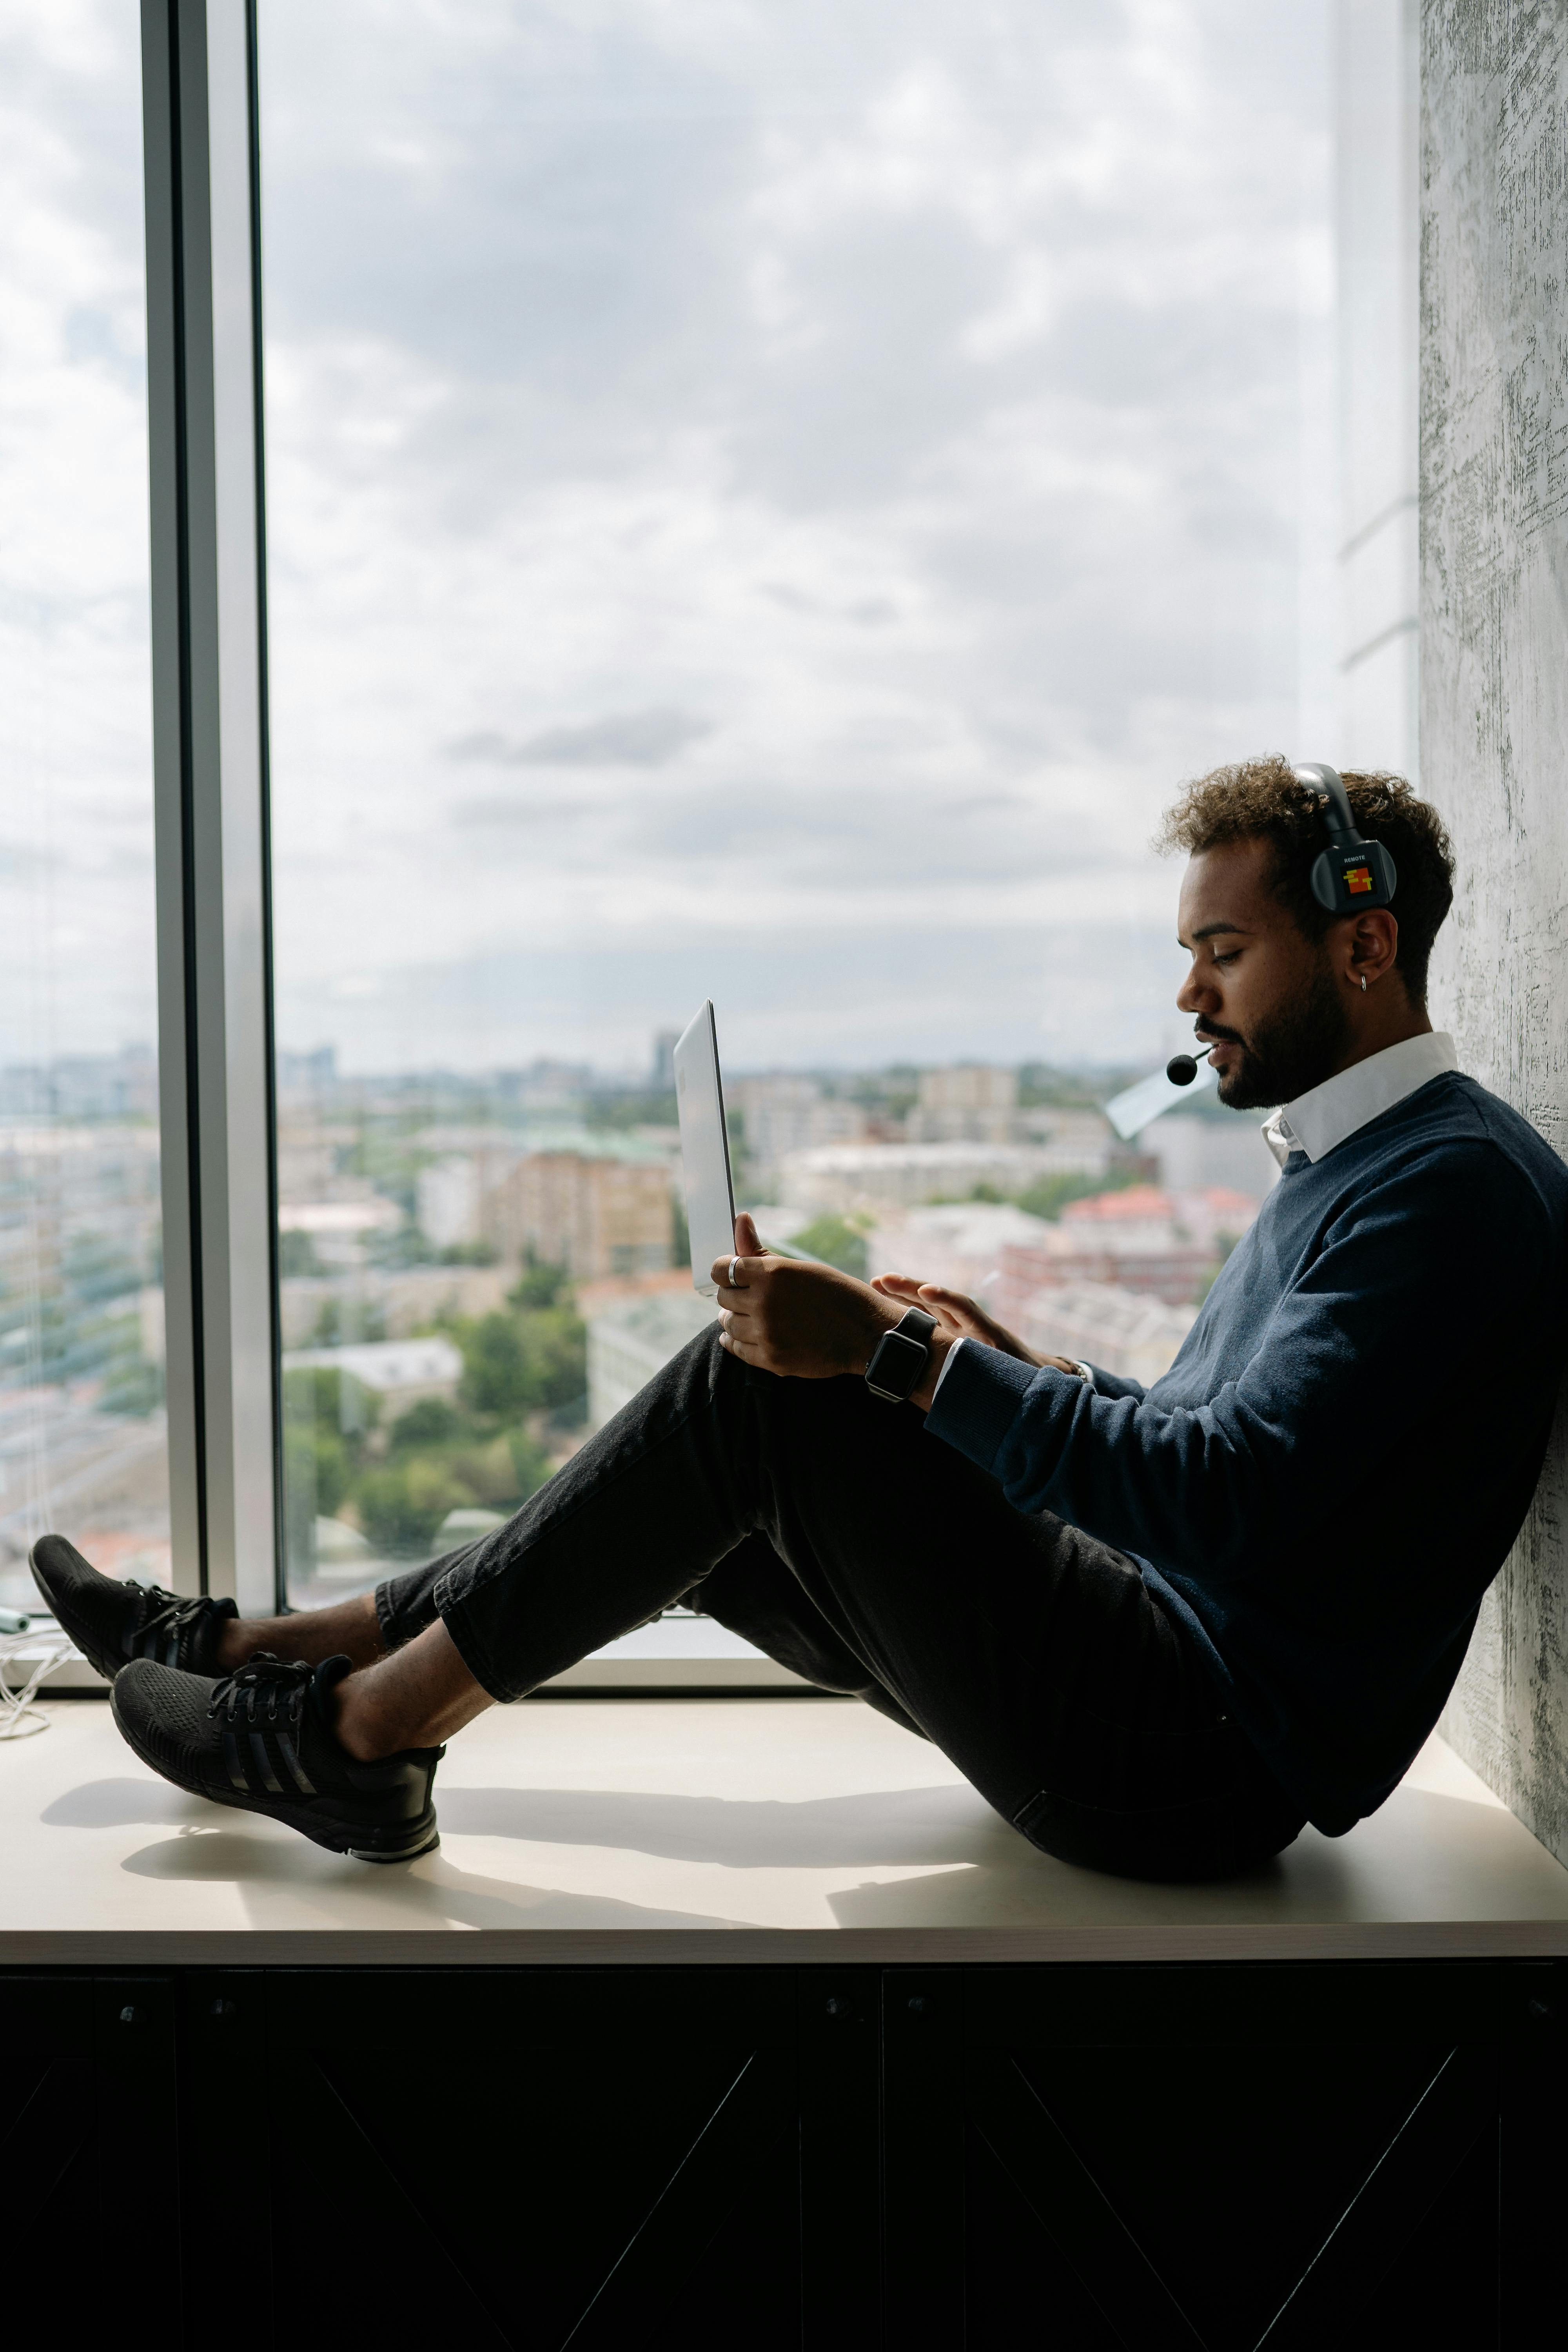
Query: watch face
pixel 898 1363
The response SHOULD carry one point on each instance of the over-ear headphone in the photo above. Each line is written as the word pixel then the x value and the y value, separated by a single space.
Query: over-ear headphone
pixel 1351 874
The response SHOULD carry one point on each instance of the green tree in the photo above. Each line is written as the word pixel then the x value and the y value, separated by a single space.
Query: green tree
pixel 531 1464
pixel 402 1504
pixel 838 1241
pixel 495 1366
pixel 297 1256
pixel 555 1346
pixel 431 1422
pixel 538 1285
pixel 527 1360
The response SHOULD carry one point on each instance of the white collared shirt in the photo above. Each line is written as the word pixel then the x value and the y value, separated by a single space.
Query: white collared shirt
pixel 1319 1120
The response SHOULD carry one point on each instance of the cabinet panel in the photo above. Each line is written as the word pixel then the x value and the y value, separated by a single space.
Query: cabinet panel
pixel 88 2152
pixel 533 2157
pixel 1230 2157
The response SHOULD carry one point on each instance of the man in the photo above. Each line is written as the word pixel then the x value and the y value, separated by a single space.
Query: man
pixel 1158 1630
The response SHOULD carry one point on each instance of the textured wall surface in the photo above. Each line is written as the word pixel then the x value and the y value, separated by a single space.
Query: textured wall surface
pixel 1494 716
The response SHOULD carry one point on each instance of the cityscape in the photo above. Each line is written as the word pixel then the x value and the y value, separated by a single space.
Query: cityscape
pixel 477 1270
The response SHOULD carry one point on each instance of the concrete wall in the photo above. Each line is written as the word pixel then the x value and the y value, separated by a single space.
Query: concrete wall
pixel 1494 715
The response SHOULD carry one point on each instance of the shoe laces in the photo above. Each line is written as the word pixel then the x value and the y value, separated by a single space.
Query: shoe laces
pixel 264 1689
pixel 166 1612
pixel 162 1625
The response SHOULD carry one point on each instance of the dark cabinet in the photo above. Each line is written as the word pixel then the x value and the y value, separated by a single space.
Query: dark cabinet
pixel 1075 2156
pixel 90 2156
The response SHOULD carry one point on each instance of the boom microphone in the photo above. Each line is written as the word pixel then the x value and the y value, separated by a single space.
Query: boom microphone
pixel 1180 1069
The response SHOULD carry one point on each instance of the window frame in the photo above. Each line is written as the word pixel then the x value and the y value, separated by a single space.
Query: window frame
pixel 210 791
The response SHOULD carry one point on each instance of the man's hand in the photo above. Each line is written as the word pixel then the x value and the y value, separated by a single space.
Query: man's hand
pixel 959 1317
pixel 809 1322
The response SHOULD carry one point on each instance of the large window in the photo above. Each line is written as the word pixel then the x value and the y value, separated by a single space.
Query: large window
pixel 82 1341
pixel 763 504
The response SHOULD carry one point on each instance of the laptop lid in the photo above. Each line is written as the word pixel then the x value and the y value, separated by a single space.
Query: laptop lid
pixel 704 1149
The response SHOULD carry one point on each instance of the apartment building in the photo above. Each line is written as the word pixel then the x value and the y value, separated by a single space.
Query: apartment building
pixel 593 1213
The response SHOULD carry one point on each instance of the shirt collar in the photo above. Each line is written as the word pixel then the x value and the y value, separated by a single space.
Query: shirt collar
pixel 1319 1120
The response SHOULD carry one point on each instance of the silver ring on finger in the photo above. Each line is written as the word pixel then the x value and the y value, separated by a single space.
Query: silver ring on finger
pixel 735 1277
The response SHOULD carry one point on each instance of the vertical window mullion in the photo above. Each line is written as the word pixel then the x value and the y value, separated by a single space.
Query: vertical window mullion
pixel 210 732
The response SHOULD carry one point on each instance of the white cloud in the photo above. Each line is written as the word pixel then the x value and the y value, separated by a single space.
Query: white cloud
pixel 77 950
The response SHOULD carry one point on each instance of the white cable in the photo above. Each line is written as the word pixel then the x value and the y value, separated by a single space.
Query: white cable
pixel 19 1715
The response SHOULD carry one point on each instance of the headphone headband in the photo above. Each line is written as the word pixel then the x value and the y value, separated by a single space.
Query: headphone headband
pixel 1318 777
pixel 1351 875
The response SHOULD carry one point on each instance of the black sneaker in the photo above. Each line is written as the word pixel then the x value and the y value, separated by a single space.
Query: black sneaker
pixel 262 1740
pixel 111 1622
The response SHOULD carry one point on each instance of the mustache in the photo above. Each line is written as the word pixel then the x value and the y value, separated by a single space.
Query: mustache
pixel 1215 1036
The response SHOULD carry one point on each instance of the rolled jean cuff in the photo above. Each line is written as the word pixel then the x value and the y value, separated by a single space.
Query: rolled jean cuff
pixel 455 1614
pixel 405 1605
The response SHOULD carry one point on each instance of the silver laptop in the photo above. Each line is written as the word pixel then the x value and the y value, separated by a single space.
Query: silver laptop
pixel 704 1149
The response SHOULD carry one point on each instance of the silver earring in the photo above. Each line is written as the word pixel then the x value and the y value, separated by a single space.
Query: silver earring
pixel 1364 983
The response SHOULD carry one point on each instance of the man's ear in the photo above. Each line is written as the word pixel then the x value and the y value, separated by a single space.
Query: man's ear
pixel 1370 947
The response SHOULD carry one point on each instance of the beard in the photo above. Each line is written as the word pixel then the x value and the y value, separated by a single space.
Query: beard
pixel 1290 1051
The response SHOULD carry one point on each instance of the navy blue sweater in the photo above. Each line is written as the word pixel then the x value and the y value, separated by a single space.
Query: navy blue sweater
pixel 1332 1472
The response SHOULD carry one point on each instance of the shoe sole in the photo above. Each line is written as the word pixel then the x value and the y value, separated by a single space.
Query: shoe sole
pixel 337 1837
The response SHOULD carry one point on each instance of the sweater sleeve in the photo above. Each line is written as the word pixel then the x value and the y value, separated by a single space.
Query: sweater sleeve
pixel 1412 1279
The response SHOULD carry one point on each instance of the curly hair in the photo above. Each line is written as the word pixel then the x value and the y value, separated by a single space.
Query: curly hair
pixel 1256 800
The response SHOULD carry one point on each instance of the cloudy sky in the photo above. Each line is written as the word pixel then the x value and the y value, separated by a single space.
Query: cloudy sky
pixel 77 970
pixel 765 502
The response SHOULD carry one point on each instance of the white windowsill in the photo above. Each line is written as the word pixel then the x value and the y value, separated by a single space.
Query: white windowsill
pixel 674 1654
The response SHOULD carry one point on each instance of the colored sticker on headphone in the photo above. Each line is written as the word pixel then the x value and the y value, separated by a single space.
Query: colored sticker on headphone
pixel 1358 877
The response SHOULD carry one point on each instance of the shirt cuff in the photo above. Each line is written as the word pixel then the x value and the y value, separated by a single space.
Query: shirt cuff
pixel 947 1363
pixel 979 1405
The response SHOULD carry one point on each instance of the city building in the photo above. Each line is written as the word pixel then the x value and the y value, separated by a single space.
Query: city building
pixel 310 1152
pixel 122 1086
pixel 780 1115
pixel 594 1212
pixel 970 1103
pixel 631 1339
pixel 386 1302
pixel 1194 1151
pixel 555 1088
pixel 394 1373
pixel 1100 1323
pixel 449 1199
pixel 339 1232
pixel 959 1245
pixel 1081 1140
pixel 837 1179
pixel 1142 1241
pixel 302 1080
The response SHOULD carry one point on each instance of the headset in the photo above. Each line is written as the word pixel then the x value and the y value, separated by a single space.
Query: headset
pixel 1350 874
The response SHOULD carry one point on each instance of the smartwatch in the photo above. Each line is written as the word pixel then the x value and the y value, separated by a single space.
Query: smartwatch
pixel 899 1358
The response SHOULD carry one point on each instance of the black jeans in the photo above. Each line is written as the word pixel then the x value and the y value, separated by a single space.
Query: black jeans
pixel 834 1533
